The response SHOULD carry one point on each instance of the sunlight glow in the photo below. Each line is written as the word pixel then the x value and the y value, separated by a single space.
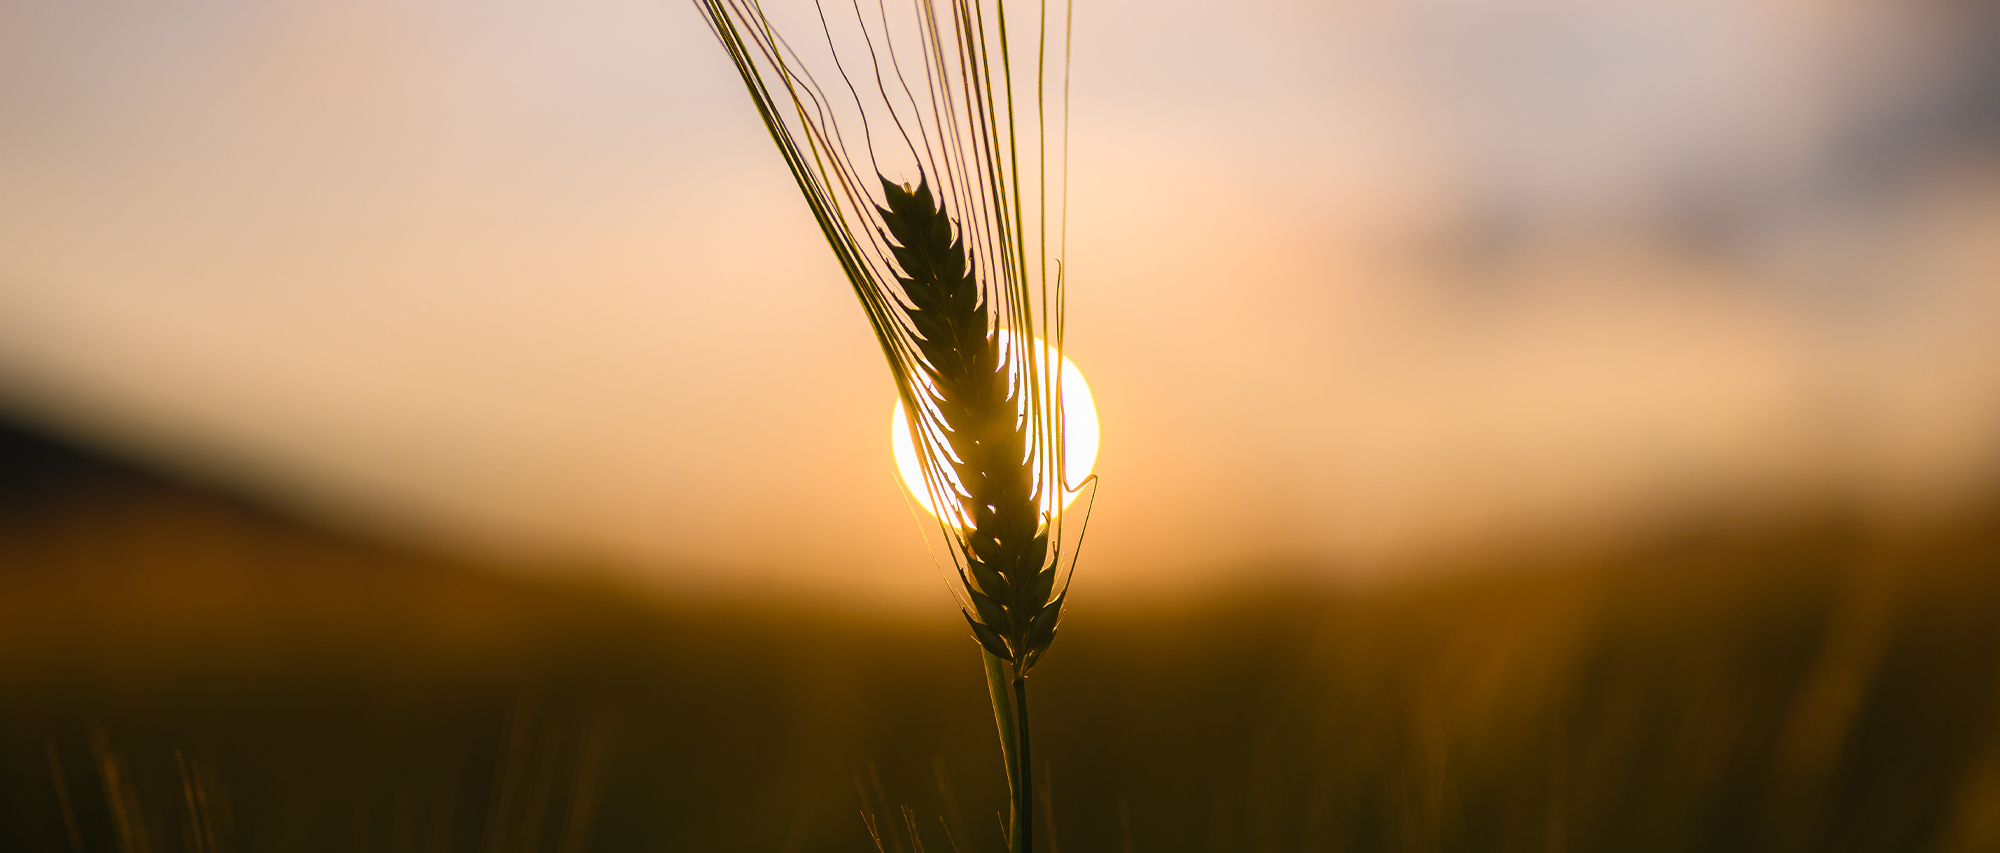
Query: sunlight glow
pixel 1079 440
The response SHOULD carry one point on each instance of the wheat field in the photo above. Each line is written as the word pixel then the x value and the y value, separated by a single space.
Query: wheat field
pixel 246 681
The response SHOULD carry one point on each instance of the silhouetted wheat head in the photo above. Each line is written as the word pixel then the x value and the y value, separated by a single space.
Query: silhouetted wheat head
pixel 951 282
pixel 956 286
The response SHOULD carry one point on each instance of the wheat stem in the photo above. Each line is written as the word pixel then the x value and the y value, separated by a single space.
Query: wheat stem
pixel 1024 791
pixel 1004 720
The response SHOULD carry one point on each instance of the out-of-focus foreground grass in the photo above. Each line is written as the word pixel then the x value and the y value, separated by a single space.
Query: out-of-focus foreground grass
pixel 168 655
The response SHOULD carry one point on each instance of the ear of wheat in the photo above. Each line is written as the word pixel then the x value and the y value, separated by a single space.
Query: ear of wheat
pixel 954 284
pixel 1006 572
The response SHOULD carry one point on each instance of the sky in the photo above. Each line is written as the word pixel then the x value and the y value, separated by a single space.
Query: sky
pixel 1358 287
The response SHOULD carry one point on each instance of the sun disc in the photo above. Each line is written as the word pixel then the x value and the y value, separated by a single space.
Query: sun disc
pixel 1080 439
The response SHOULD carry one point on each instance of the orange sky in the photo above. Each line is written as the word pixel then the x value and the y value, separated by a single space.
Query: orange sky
pixel 1351 285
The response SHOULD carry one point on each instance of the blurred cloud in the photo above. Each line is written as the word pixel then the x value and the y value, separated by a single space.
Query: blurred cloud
pixel 1354 283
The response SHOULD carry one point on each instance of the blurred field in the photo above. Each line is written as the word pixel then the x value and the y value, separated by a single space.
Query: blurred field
pixel 1816 684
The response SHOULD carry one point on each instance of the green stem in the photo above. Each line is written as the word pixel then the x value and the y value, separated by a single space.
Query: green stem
pixel 1003 719
pixel 1024 789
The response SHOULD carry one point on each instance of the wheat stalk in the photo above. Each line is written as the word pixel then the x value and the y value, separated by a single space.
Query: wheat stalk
pixel 955 286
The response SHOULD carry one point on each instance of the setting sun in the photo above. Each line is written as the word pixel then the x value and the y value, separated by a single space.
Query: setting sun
pixel 1080 437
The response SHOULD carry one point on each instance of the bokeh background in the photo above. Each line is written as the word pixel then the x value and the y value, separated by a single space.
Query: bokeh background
pixel 1534 424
